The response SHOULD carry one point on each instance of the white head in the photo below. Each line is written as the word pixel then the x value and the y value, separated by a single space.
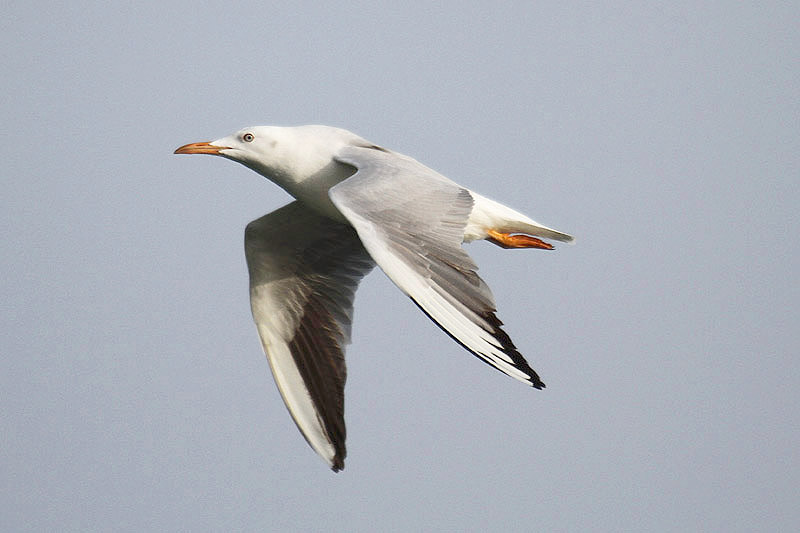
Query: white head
pixel 283 154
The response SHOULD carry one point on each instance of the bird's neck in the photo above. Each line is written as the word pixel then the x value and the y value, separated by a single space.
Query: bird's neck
pixel 310 183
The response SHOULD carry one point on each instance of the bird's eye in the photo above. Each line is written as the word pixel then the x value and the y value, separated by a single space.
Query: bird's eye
pixel 248 137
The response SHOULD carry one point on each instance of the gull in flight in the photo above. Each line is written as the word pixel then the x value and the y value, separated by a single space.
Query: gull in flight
pixel 357 205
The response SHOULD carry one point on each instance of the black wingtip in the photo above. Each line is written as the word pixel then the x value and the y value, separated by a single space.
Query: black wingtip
pixel 535 381
pixel 338 463
pixel 507 346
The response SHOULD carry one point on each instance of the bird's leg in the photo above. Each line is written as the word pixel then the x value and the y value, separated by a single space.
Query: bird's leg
pixel 506 240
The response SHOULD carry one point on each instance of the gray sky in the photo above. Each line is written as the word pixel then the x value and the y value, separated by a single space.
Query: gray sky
pixel 134 392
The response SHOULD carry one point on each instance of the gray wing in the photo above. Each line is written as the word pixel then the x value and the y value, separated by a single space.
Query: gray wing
pixel 411 220
pixel 304 270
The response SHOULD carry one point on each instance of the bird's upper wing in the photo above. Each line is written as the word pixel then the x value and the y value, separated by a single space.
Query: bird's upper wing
pixel 304 270
pixel 411 220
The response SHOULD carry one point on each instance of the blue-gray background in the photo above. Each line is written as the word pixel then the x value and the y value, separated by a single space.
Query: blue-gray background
pixel 664 137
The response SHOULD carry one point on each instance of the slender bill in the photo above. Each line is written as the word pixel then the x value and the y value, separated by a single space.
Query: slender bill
pixel 200 148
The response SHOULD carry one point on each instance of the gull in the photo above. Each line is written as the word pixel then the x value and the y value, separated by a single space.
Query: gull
pixel 357 205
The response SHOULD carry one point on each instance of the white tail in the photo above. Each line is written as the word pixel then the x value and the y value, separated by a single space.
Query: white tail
pixel 490 215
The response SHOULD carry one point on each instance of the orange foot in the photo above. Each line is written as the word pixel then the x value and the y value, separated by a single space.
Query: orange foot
pixel 506 240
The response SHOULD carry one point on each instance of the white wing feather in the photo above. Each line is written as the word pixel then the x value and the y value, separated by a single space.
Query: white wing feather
pixel 304 270
pixel 411 220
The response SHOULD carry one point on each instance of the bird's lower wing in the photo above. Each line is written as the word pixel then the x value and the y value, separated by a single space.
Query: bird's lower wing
pixel 411 220
pixel 304 270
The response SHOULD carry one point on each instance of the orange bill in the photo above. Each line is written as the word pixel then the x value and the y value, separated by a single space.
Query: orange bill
pixel 200 148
